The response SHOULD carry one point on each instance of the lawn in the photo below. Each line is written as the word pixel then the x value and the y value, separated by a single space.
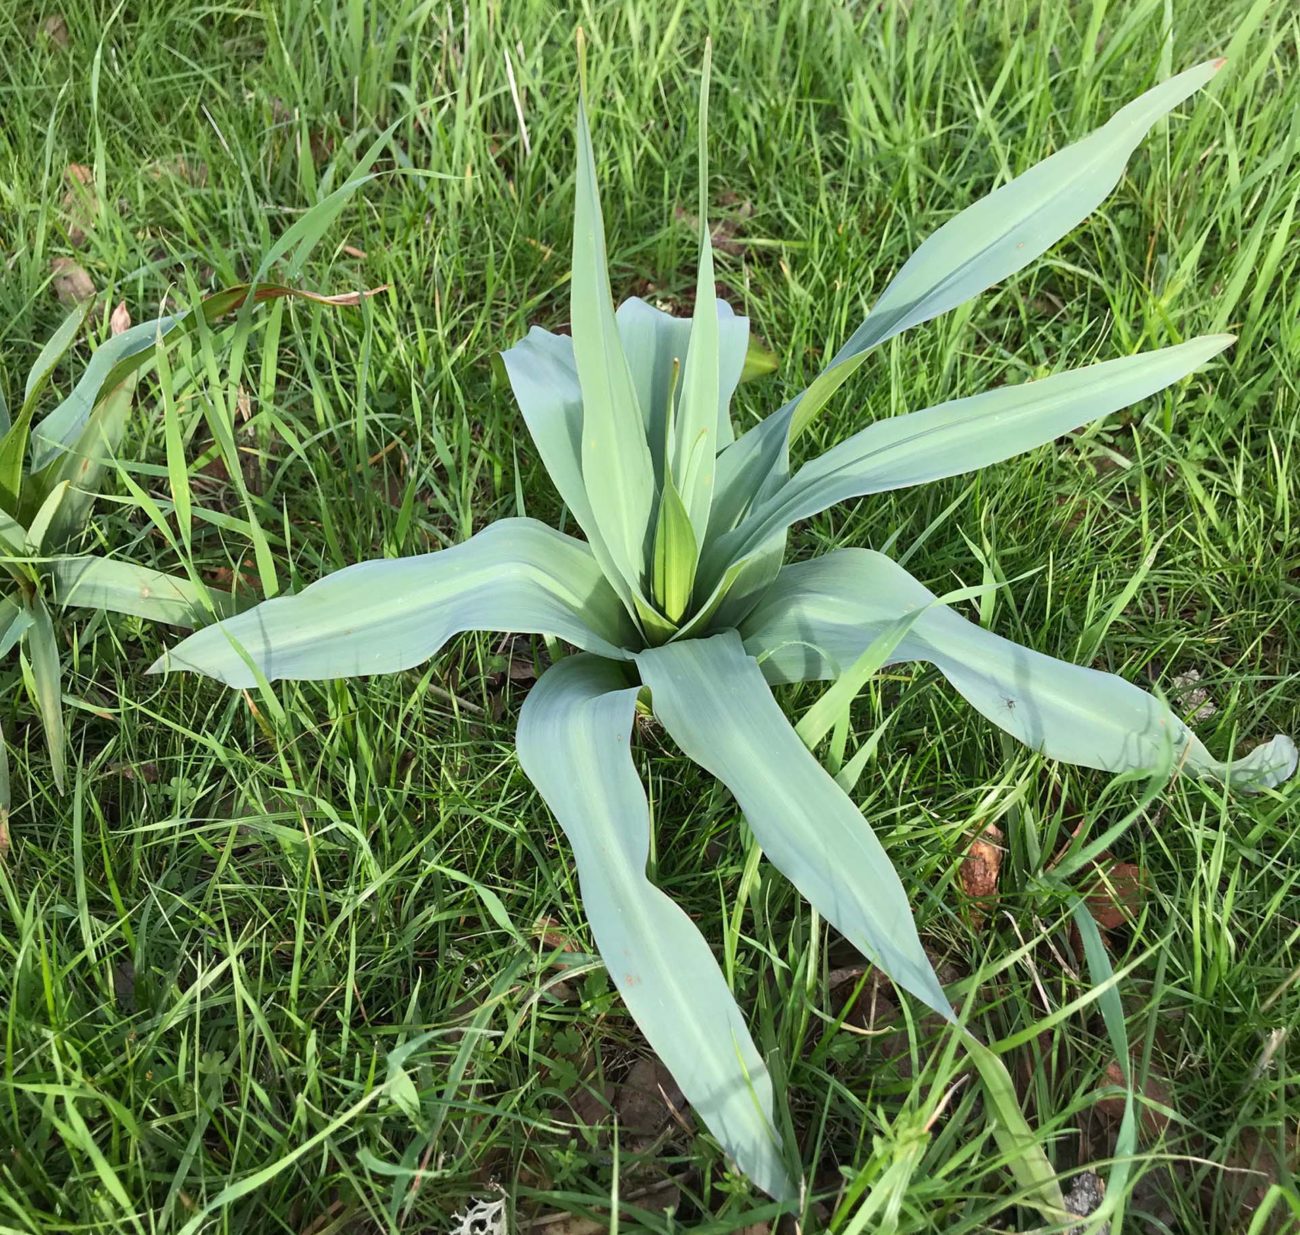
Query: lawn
pixel 314 961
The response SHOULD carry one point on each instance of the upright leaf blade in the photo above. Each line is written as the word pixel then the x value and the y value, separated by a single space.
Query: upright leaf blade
pixel 573 743
pixel 654 340
pixel 381 616
pixel 696 425
pixel 675 554
pixel 711 697
pixel 617 469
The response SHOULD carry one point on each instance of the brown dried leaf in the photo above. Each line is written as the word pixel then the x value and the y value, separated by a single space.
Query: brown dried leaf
pixel 80 204
pixel 1117 894
pixel 648 1101
pixel 1152 1121
pixel 980 869
pixel 223 578
pixel 55 29
pixel 548 930
pixel 119 320
pixel 71 283
pixel 4 833
pixel 982 864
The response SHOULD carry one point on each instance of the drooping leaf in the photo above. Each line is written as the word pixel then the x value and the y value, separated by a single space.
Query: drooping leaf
pixel 91 582
pixel 516 575
pixel 711 697
pixel 54 350
pixel 573 741
pixel 14 621
pixel 820 616
pixel 125 353
pixel 962 435
pixel 617 470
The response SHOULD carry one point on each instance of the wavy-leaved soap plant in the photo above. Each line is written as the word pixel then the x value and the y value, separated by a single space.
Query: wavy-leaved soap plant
pixel 679 591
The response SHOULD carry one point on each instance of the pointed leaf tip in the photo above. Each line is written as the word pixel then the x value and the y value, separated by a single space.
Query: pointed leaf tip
pixel 580 38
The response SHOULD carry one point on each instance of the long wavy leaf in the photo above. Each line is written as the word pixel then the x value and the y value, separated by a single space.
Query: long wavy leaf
pixel 711 697
pixel 573 741
pixel 820 616
pixel 516 575
pixel 984 244
pixel 962 435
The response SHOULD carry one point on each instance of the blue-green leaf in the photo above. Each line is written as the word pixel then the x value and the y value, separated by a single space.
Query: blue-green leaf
pixel 653 340
pixel 574 734
pixel 695 427
pixel 820 616
pixel 961 435
pixel 91 582
pixel 987 242
pixel 711 697
pixel 1005 231
pixel 617 470
pixel 516 575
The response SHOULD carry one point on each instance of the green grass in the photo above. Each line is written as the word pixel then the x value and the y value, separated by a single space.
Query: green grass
pixel 212 948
